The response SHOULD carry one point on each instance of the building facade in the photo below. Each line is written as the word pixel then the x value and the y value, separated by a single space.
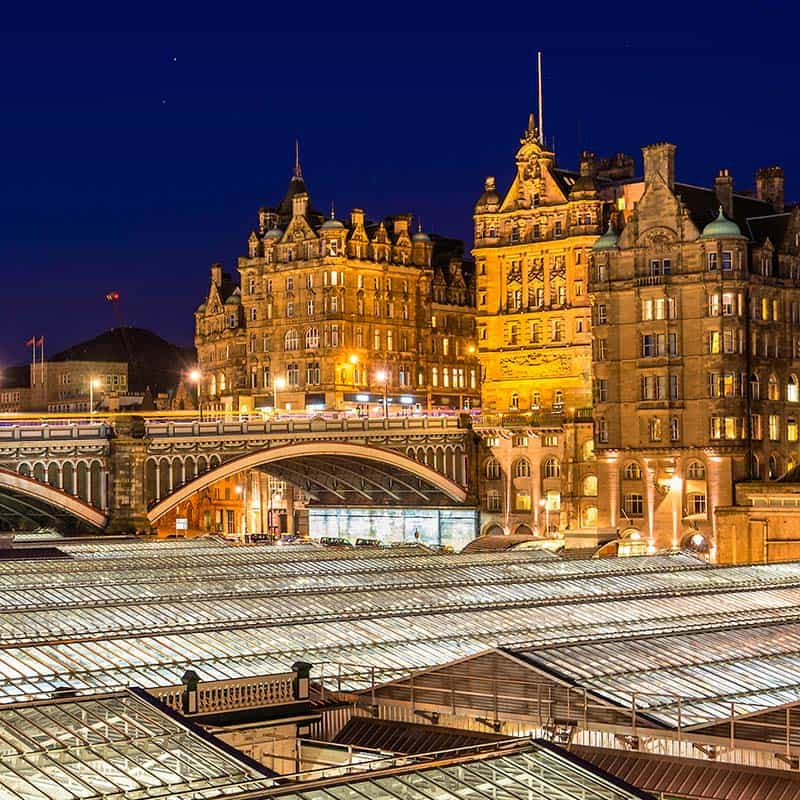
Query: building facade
pixel 532 249
pixel 323 314
pixel 696 326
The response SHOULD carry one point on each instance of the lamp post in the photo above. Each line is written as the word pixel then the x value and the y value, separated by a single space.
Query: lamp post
pixel 543 505
pixel 93 384
pixel 195 376
pixel 382 376
pixel 279 385
pixel 241 490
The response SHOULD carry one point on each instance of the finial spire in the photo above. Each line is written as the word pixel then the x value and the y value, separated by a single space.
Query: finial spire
pixel 333 210
pixel 298 170
pixel 541 111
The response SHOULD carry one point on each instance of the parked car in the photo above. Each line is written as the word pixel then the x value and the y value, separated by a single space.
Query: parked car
pixel 335 541
pixel 368 542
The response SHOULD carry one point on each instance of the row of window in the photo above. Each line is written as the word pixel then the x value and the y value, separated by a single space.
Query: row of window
pixel 695 471
pixel 522 501
pixel 655 429
pixel 733 427
pixel 633 504
pixel 551 468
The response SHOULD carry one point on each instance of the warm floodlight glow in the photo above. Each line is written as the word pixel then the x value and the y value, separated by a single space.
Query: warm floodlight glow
pixel 354 359
pixel 195 375
pixel 280 383
pixel 380 376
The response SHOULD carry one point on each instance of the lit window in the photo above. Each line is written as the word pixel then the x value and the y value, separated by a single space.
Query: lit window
pixel 632 471
pixel 552 468
pixel 493 469
pixel 522 468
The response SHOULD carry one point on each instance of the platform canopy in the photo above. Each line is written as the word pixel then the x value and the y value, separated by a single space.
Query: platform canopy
pixel 119 745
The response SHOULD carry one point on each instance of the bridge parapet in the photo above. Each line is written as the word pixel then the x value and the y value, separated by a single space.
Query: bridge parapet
pixel 320 425
pixel 38 432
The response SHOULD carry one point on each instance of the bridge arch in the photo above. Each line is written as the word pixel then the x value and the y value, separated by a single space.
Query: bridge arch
pixel 40 504
pixel 318 462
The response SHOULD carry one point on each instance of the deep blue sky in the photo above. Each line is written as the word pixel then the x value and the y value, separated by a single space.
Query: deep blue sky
pixel 126 169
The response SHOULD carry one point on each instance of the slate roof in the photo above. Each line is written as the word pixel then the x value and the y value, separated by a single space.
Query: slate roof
pixel 409 738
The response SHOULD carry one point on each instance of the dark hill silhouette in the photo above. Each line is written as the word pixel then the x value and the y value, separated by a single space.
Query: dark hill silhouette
pixel 152 361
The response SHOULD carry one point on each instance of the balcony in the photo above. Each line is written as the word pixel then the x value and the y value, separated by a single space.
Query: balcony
pixel 238 694
pixel 653 280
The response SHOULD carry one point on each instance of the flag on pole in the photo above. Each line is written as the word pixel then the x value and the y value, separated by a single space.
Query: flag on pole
pixel 40 342
pixel 32 343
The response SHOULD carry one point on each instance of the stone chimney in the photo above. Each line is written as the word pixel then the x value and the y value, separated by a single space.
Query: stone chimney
pixel 216 274
pixel 659 159
pixel 769 187
pixel 723 189
pixel 588 166
pixel 356 217
pixel 401 224
pixel 299 204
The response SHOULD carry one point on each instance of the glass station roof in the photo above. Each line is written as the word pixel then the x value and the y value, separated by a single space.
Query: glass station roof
pixel 118 746
pixel 141 621
pixel 532 772
pixel 693 677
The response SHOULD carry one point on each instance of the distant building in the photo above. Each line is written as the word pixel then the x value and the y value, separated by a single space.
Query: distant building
pixel 696 368
pixel 128 366
pixel 325 314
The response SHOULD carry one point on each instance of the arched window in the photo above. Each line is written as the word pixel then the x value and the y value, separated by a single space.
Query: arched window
pixel 552 468
pixel 755 387
pixel 291 341
pixel 514 404
pixel 590 516
pixel 696 471
pixel 493 469
pixel 312 338
pixel 755 468
pixel 632 472
pixel 522 468
pixel 773 390
pixel 773 468
pixel 792 390
pixel 590 486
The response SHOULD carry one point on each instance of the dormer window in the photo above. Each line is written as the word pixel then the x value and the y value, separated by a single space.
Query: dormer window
pixel 559 228
pixel 333 247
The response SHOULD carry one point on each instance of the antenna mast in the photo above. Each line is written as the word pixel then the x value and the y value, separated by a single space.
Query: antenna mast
pixel 541 113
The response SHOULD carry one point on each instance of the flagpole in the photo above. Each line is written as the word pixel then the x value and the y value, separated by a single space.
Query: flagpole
pixel 33 369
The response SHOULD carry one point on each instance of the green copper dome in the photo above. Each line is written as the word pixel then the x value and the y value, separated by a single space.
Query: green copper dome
pixel 608 241
pixel 274 233
pixel 721 228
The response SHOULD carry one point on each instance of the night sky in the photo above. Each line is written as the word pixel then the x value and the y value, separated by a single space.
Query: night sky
pixel 133 159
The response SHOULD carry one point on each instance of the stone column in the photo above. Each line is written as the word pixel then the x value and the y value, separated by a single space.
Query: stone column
pixel 127 453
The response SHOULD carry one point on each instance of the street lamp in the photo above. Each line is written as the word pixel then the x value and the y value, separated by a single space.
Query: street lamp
pixel 279 385
pixel 543 504
pixel 94 383
pixel 195 376
pixel 242 492
pixel 383 377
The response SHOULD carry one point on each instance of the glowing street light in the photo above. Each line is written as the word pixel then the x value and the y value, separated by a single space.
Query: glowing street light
pixel 195 376
pixel 278 385
pixel 383 377
pixel 543 504
pixel 94 383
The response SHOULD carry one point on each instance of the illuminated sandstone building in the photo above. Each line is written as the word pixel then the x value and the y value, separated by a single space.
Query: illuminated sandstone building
pixel 532 249
pixel 696 305
pixel 328 314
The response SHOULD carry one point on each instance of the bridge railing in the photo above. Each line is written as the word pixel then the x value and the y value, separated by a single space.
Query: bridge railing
pixel 296 425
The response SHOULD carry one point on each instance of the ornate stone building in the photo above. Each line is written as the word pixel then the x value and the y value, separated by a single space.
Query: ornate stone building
pixel 532 248
pixel 696 325
pixel 335 315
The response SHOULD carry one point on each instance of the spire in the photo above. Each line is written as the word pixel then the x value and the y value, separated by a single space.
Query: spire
pixel 298 170
pixel 333 210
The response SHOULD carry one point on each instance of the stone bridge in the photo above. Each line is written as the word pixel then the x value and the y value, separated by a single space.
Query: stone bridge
pixel 127 471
